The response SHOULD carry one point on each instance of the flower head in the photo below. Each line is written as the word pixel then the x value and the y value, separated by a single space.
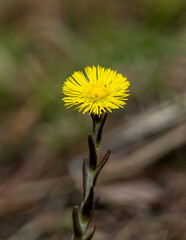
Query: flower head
pixel 96 91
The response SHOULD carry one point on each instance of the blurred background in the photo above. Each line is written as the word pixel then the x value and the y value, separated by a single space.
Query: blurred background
pixel 142 190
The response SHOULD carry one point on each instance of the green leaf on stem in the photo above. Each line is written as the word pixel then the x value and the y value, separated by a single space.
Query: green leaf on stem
pixel 85 168
pixel 92 152
pixel 100 166
pixel 90 235
pixel 76 222
pixel 102 122
pixel 88 205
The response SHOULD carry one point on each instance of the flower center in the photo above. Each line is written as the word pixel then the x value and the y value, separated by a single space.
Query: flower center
pixel 97 91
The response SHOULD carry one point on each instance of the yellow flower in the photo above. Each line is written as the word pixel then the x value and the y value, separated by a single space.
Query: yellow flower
pixel 96 92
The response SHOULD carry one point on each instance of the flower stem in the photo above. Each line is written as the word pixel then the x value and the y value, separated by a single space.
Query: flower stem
pixel 82 215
